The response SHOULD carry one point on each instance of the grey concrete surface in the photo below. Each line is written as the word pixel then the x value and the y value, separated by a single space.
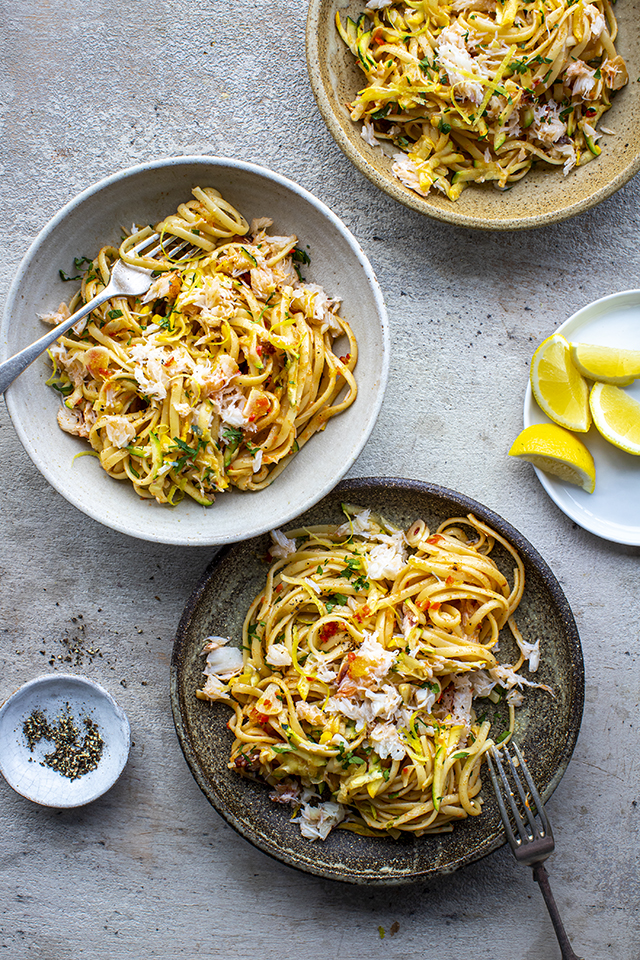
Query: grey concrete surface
pixel 150 870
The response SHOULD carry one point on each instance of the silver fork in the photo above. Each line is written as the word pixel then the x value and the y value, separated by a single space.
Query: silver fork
pixel 125 281
pixel 532 841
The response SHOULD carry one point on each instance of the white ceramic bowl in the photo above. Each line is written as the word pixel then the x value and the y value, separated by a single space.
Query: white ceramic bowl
pixel 23 769
pixel 146 194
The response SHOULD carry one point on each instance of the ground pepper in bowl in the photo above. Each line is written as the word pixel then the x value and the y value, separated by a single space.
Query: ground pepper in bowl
pixel 74 754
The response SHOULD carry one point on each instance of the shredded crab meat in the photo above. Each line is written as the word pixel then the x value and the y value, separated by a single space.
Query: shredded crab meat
pixel 278 656
pixel 455 58
pixel 316 822
pixel 352 700
pixel 158 377
pixel 282 546
pixel 222 661
pixel 464 102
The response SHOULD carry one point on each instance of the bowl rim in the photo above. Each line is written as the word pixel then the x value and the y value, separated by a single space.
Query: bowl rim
pixel 251 832
pixel 210 537
pixel 94 690
pixel 412 200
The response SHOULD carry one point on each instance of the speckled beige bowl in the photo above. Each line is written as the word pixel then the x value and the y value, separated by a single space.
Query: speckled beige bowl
pixel 542 197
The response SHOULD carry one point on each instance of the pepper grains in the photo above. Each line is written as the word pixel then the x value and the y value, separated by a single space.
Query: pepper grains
pixel 74 755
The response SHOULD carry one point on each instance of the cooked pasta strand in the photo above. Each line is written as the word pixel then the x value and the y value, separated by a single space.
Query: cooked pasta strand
pixel 219 374
pixel 362 656
pixel 470 91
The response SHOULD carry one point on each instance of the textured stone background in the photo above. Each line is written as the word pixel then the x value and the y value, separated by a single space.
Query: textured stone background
pixel 89 87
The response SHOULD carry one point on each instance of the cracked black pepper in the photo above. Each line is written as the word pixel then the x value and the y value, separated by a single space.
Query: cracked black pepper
pixel 75 754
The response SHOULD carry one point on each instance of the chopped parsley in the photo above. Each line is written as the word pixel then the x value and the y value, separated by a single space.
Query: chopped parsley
pixel 299 256
pixel 232 435
pixel 189 454
pixel 333 601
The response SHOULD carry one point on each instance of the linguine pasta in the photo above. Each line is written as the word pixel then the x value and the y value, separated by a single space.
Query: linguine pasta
pixel 362 658
pixel 478 90
pixel 215 377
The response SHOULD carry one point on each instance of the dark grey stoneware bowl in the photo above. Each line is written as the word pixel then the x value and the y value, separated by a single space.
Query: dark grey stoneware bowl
pixel 546 727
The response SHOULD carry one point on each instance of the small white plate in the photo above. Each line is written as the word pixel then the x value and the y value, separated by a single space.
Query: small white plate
pixel 612 511
pixel 23 769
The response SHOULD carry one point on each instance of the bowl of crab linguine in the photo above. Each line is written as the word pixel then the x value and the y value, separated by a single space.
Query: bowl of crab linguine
pixel 485 115
pixel 237 390
pixel 336 684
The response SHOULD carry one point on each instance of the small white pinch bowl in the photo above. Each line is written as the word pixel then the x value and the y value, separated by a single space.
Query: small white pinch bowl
pixel 22 769
pixel 146 194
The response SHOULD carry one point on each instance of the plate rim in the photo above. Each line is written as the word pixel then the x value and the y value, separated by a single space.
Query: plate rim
pixel 360 485
pixel 613 533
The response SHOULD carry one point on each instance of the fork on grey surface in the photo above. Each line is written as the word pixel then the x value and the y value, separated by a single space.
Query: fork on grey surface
pixel 125 281
pixel 527 828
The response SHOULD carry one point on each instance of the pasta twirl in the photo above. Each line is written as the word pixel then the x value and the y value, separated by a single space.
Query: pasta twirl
pixel 479 90
pixel 362 657
pixel 219 374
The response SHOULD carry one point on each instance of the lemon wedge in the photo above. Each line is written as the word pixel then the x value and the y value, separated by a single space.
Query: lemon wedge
pixel 556 451
pixel 617 416
pixel 560 390
pixel 606 364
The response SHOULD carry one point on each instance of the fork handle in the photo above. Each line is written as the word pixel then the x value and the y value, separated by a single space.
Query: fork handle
pixel 541 877
pixel 15 365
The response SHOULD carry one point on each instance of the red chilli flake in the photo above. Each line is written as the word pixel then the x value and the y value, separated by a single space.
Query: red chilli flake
pixel 436 538
pixel 450 580
pixel 363 612
pixel 351 655
pixel 328 630
pixel 346 358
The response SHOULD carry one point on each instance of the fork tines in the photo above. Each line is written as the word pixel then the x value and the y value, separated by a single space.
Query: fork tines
pixel 532 838
pixel 170 247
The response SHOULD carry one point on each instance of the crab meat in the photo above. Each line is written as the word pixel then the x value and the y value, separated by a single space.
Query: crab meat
pixel 120 431
pixel 96 360
pixel 615 73
pixel 166 287
pixel 278 656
